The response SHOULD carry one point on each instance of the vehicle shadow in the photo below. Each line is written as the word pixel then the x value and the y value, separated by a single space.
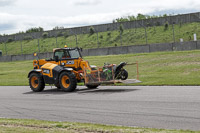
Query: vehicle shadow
pixel 105 91
pixel 55 91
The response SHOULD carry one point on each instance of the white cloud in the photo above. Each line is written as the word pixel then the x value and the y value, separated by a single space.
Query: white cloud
pixel 87 2
pixel 71 13
pixel 6 2
pixel 23 22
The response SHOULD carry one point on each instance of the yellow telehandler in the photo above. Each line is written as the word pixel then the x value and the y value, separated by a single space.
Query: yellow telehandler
pixel 67 68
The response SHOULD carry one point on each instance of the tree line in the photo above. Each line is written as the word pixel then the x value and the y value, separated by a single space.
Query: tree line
pixel 139 16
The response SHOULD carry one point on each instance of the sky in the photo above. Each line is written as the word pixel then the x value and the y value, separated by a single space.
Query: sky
pixel 20 15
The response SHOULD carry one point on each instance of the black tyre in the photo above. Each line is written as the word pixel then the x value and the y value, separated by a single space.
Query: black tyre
pixel 124 74
pixel 92 86
pixel 67 81
pixel 36 82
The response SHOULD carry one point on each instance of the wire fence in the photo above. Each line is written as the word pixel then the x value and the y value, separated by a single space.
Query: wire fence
pixel 167 33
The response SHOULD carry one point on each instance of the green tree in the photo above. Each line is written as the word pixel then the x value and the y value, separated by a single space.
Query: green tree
pixel 28 37
pixel 35 29
pixel 121 28
pixel 166 26
pixel 58 28
pixel 92 31
pixel 140 16
pixel 131 18
pixel 45 35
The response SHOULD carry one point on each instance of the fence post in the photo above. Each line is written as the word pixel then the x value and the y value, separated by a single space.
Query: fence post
pixel 173 32
pixel 137 70
pixel 38 46
pixel 97 39
pixel 76 40
pixel 121 37
pixel 154 27
pixel 135 26
pixel 21 48
pixel 56 41
pixel 146 34
pixel 5 48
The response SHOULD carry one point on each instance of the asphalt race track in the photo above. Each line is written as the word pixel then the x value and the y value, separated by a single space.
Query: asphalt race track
pixel 169 107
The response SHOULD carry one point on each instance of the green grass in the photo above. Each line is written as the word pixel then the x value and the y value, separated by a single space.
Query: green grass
pixel 38 126
pixel 130 37
pixel 160 68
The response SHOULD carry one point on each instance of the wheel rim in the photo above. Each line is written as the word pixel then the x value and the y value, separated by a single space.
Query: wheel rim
pixel 65 81
pixel 123 75
pixel 34 81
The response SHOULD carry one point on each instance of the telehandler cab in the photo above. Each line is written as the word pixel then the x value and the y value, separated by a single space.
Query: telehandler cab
pixel 67 68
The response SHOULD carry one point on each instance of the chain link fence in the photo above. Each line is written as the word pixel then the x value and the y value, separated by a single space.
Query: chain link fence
pixel 146 34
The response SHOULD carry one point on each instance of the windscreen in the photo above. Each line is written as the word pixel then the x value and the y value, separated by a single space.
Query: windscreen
pixel 74 53
pixel 62 54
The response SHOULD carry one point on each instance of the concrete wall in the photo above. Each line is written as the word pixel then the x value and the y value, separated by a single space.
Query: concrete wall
pixel 116 50
pixel 25 57
pixel 184 18
pixel 198 44
pixel 161 47
pixel 185 46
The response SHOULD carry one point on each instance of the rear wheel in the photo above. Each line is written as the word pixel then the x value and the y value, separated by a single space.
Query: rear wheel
pixel 36 82
pixel 67 81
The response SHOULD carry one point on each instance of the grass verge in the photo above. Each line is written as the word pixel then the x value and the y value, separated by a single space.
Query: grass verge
pixel 35 126
pixel 160 68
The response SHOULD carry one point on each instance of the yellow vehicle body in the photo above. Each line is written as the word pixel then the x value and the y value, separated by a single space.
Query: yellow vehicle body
pixel 78 65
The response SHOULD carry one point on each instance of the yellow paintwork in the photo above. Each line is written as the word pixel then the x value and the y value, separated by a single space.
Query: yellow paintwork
pixel 75 63
pixel 63 81
pixel 33 79
pixel 48 66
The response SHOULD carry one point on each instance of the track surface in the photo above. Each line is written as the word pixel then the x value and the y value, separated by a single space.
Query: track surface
pixel 155 107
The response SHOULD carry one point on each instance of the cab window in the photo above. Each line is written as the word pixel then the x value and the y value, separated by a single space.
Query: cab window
pixel 74 53
pixel 62 54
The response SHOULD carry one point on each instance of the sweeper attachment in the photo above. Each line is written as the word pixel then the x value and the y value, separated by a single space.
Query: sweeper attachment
pixel 109 74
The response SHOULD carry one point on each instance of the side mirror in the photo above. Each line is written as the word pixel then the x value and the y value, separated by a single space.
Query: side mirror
pixel 56 58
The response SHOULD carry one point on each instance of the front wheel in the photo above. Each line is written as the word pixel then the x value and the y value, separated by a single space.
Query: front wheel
pixel 36 82
pixel 124 74
pixel 67 81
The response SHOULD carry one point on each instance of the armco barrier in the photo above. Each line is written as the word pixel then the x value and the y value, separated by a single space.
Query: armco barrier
pixel 118 50
pixel 161 47
pixel 5 58
pixel 115 50
pixel 198 44
pixel 185 46
pixel 138 49
pixel 94 52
